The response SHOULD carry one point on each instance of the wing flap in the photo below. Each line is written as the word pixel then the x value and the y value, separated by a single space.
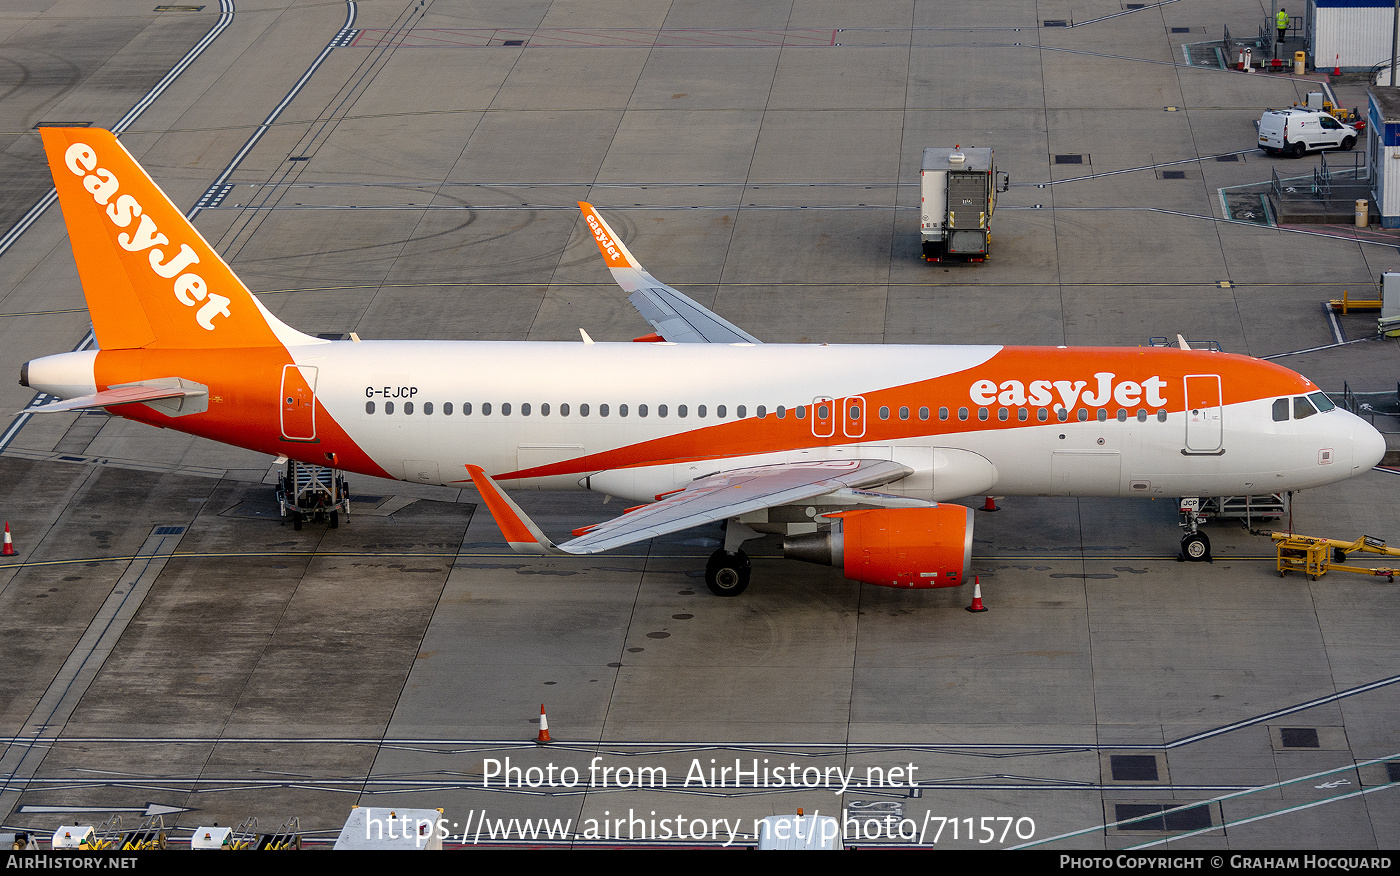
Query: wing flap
pixel 729 494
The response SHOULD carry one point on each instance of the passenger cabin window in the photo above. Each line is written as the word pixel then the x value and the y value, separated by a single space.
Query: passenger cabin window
pixel 447 409
pixel 505 409
pixel 427 408
pixel 884 413
pixel 388 407
pixel 602 410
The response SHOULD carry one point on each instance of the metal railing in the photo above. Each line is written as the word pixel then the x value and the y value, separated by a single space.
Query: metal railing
pixel 1342 178
pixel 1369 404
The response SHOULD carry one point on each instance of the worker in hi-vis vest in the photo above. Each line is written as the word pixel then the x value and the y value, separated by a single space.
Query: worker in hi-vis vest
pixel 1281 22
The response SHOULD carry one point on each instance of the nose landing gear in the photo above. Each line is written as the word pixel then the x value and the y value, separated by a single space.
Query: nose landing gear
pixel 1195 546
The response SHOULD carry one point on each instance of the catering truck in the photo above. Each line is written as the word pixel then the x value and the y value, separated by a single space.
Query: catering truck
pixel 957 192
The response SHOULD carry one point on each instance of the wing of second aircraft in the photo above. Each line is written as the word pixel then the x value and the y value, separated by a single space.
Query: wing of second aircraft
pixel 703 500
pixel 674 316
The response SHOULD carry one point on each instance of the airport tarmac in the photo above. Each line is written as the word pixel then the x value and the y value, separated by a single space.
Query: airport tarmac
pixel 411 170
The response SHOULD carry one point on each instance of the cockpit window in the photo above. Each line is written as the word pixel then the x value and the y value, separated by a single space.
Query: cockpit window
pixel 1302 408
pixel 1281 406
pixel 1324 404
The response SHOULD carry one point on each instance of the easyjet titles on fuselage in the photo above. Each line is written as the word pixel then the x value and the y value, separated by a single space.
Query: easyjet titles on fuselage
pixel 188 287
pixel 1013 393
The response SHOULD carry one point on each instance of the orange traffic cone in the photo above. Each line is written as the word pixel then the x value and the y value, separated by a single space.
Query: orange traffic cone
pixel 9 550
pixel 977 596
pixel 990 505
pixel 543 737
pixel 1337 70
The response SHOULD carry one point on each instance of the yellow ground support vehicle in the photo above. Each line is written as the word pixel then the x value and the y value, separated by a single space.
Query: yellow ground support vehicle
pixel 1315 557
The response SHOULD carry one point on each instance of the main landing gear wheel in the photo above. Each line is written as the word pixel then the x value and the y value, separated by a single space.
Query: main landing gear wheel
pixel 1196 547
pixel 727 574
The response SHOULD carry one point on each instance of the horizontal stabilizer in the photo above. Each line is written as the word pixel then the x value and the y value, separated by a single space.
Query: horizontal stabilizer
pixel 107 398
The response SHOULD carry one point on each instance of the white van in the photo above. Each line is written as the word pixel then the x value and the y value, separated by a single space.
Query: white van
pixel 1295 130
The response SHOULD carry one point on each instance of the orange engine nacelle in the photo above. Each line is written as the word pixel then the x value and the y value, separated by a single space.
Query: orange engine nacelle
pixel 894 547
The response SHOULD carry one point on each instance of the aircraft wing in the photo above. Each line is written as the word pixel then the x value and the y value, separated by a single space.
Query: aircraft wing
pixel 704 500
pixel 675 317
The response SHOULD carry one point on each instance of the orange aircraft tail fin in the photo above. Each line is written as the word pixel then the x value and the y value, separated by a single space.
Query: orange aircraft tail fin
pixel 150 279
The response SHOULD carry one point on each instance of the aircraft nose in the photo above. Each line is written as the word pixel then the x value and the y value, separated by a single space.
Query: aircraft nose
pixel 1367 446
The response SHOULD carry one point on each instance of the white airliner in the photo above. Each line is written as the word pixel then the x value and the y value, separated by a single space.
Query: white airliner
pixel 849 451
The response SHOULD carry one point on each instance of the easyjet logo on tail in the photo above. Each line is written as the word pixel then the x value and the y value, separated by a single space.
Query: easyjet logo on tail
pixel 188 287
pixel 1042 393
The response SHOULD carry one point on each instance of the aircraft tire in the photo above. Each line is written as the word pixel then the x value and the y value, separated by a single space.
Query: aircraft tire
pixel 1195 547
pixel 727 574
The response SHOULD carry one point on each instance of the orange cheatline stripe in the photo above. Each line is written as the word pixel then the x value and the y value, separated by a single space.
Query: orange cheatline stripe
pixel 1242 379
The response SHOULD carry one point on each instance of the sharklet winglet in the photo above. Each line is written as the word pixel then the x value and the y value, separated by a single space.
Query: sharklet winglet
pixel 521 533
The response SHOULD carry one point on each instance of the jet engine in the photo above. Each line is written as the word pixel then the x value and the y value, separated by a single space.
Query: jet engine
pixel 894 547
